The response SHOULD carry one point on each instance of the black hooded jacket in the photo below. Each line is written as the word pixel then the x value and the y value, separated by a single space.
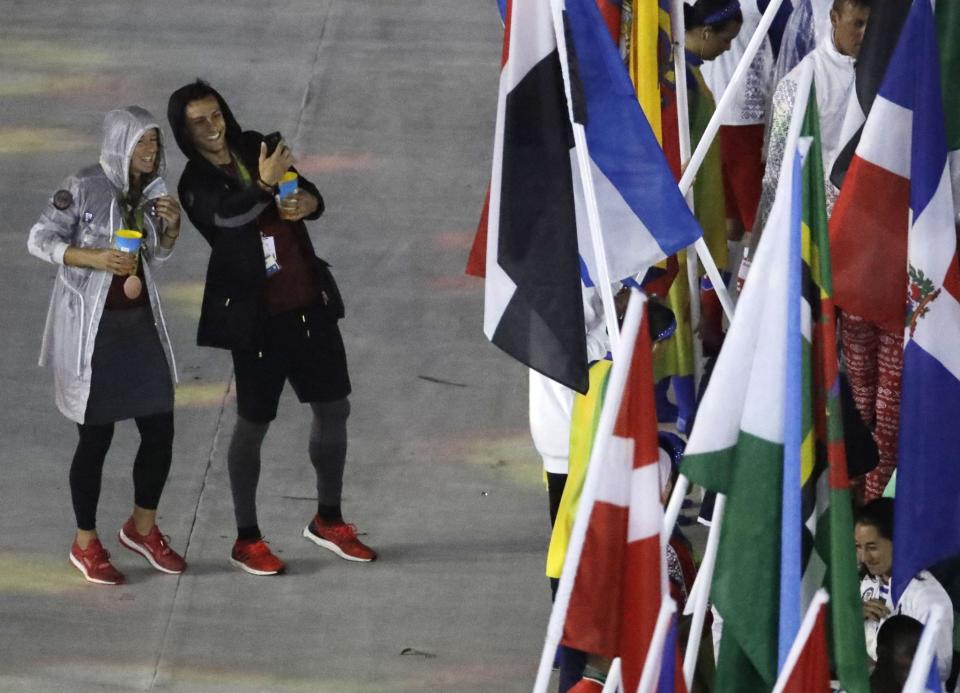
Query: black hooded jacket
pixel 225 212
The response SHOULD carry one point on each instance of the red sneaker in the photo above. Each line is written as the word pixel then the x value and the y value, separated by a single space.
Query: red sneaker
pixel 255 557
pixel 340 538
pixel 94 563
pixel 153 546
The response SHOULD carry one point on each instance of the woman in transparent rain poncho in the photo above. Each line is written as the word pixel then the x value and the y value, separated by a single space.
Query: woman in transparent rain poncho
pixel 105 334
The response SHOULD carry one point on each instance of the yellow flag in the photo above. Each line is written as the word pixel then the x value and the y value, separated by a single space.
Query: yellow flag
pixel 644 70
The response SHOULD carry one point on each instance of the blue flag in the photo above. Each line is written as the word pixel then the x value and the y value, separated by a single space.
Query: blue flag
pixel 643 215
pixel 933 684
pixel 666 683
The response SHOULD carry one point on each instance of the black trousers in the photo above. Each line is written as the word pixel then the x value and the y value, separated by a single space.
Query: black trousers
pixel 150 467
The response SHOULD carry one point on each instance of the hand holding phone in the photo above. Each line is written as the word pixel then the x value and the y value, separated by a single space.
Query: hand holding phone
pixel 275 159
pixel 272 140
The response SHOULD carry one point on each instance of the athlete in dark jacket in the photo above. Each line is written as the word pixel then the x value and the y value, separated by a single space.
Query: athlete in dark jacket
pixel 273 303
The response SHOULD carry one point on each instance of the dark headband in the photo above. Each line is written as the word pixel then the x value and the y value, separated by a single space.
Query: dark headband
pixel 723 14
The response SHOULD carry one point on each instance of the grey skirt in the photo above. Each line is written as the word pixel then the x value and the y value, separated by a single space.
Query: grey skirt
pixel 131 377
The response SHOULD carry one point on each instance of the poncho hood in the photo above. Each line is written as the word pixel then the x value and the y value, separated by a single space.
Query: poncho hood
pixel 122 129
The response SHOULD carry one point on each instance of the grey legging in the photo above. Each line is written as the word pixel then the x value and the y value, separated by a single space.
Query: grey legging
pixel 327 449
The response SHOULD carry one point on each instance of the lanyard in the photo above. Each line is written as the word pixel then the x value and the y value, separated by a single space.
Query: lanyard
pixel 242 173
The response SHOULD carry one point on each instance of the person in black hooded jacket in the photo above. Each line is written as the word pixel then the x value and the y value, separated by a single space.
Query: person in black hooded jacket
pixel 273 303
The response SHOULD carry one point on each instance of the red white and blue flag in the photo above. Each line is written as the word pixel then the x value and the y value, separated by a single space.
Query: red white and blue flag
pixel 904 151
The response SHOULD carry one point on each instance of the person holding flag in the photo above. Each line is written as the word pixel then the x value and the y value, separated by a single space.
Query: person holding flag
pixel 833 74
pixel 711 26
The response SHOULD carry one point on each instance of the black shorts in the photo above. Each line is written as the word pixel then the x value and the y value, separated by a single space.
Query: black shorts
pixel 304 347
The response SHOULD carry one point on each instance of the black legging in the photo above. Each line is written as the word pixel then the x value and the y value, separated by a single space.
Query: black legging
pixel 150 468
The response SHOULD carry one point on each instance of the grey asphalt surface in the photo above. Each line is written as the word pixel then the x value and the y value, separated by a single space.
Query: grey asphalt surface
pixel 389 106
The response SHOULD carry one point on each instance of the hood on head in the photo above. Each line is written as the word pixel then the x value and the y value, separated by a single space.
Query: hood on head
pixel 122 129
pixel 177 117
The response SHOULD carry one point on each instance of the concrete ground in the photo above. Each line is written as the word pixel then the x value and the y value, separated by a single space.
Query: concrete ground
pixel 389 106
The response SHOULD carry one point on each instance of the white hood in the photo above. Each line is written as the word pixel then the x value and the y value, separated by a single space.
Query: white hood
pixel 122 129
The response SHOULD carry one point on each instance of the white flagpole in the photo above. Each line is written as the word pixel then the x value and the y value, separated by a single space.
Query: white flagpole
pixel 820 599
pixel 654 661
pixel 608 417
pixel 612 684
pixel 926 650
pixel 713 126
pixel 700 593
pixel 673 509
pixel 589 193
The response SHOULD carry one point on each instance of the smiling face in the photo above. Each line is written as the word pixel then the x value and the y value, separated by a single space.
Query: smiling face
pixel 207 129
pixel 144 159
pixel 874 551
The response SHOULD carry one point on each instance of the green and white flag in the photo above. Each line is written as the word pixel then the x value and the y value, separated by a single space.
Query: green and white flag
pixel 772 406
pixel 736 448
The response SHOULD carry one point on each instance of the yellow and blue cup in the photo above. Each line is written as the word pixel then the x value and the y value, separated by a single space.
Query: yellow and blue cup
pixel 127 240
pixel 287 185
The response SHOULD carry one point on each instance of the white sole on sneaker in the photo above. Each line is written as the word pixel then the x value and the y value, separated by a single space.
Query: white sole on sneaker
pixel 319 541
pixel 79 566
pixel 253 571
pixel 128 543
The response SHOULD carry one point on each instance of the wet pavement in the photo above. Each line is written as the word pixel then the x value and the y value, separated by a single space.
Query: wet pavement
pixel 389 107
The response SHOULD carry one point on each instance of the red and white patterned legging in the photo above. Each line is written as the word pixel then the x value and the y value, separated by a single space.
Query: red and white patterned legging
pixel 874 360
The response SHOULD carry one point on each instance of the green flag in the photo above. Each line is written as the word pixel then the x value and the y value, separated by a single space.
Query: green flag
pixel 830 556
pixel 736 448
pixel 948 35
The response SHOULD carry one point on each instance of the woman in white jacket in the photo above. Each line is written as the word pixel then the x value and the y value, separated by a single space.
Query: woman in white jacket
pixel 105 334
pixel 873 535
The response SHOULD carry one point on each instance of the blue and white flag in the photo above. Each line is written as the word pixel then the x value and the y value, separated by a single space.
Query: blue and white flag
pixel 642 213
pixel 927 517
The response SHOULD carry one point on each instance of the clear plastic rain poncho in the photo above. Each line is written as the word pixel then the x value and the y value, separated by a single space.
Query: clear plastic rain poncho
pixel 84 213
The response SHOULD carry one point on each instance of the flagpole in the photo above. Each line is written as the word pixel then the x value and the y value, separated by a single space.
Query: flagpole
pixel 677 28
pixel 672 512
pixel 589 192
pixel 651 667
pixel 608 417
pixel 713 126
pixel 820 598
pixel 791 522
pixel 700 593
pixel 926 650
pixel 612 684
